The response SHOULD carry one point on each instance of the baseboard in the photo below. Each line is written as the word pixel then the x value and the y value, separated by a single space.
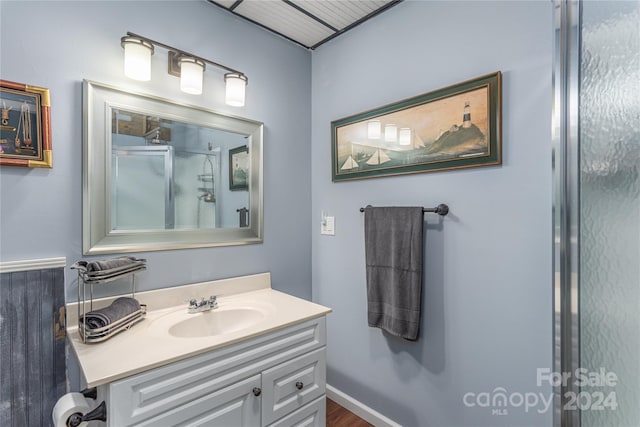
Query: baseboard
pixel 360 409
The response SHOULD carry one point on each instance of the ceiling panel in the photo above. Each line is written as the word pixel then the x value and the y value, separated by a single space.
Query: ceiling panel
pixel 306 22
pixel 284 19
pixel 226 3
pixel 340 13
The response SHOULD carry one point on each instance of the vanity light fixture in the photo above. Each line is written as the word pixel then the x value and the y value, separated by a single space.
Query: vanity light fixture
pixel 191 75
pixel 235 88
pixel 190 68
pixel 137 58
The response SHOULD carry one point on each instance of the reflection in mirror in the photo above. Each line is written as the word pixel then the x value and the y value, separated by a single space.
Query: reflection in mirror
pixel 161 175
pixel 188 184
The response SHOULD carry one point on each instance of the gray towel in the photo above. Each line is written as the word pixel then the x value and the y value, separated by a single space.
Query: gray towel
pixel 393 252
pixel 108 264
pixel 118 309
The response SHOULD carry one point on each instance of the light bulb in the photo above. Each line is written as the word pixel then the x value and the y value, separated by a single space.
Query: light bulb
pixel 236 84
pixel 137 58
pixel 191 73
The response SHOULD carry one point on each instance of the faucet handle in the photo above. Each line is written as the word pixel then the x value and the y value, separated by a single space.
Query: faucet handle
pixel 193 302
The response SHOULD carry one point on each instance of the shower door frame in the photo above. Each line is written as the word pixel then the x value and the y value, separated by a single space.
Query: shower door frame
pixel 566 205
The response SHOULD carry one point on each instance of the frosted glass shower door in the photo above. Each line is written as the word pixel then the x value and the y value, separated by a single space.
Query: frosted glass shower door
pixel 142 179
pixel 609 117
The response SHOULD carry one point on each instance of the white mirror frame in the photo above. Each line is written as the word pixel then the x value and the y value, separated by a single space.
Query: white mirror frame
pixel 97 236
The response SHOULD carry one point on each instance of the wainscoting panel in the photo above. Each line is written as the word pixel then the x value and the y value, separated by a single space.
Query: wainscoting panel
pixel 32 345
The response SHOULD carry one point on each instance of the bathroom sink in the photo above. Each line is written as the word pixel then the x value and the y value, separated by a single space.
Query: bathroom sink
pixel 216 322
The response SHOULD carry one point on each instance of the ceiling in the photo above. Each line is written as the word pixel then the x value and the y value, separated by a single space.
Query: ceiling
pixel 309 23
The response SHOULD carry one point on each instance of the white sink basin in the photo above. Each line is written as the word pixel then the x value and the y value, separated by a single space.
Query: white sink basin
pixel 216 322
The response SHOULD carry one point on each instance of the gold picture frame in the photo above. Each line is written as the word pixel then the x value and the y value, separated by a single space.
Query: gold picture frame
pixel 25 129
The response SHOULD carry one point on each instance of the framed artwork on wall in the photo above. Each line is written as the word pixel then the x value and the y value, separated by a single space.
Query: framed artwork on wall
pixel 455 127
pixel 238 168
pixel 25 130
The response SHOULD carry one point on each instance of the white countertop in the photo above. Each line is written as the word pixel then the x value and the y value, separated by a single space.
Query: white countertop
pixel 148 344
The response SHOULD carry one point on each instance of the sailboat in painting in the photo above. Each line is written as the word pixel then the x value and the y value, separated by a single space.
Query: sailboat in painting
pixel 349 164
pixel 378 158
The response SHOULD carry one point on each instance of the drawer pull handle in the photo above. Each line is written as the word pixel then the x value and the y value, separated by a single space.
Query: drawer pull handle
pixel 257 391
pixel 299 385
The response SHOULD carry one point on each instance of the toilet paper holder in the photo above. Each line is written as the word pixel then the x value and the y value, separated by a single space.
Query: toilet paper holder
pixel 97 414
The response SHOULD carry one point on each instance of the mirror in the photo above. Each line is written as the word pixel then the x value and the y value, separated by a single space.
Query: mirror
pixel 160 175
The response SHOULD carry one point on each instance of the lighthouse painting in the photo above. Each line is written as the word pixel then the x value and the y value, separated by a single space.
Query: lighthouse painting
pixel 455 127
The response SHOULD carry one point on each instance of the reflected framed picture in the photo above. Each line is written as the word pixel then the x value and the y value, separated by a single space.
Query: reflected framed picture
pixel 239 168
pixel 455 127
pixel 25 130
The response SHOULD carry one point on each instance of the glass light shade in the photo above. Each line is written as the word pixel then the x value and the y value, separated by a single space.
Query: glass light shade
pixel 191 74
pixel 390 133
pixel 137 58
pixel 236 84
pixel 405 136
pixel 373 129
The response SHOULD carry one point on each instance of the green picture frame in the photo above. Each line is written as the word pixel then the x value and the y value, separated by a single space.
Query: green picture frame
pixel 239 168
pixel 459 126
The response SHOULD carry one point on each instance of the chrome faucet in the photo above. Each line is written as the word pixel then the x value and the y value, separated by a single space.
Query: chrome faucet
pixel 203 305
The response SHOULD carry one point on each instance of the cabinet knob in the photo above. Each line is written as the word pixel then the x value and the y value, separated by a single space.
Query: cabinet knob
pixel 299 385
pixel 257 391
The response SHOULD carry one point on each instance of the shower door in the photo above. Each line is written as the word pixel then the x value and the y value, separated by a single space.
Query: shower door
pixel 142 188
pixel 597 212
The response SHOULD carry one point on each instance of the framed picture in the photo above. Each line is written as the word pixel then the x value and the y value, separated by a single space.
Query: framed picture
pixel 238 168
pixel 450 128
pixel 25 130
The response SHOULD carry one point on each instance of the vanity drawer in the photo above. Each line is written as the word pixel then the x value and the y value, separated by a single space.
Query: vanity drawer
pixel 293 384
pixel 312 415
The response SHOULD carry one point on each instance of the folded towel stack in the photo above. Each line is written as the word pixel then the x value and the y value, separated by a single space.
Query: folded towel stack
pixel 119 309
pixel 110 263
pixel 109 268
pixel 99 325
pixel 119 263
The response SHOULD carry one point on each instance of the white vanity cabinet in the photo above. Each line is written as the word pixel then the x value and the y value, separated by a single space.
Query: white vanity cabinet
pixel 273 379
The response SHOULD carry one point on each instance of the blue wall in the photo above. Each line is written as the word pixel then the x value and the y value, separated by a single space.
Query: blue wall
pixel 487 286
pixel 57 44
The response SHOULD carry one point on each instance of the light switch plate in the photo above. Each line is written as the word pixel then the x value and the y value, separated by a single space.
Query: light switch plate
pixel 328 226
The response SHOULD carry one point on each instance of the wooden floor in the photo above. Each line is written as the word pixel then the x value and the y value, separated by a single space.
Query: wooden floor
pixel 337 416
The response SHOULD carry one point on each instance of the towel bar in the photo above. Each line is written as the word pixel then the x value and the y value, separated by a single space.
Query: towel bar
pixel 441 209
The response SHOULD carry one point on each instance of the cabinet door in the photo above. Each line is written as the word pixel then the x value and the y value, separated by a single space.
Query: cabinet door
pixel 292 384
pixel 235 405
